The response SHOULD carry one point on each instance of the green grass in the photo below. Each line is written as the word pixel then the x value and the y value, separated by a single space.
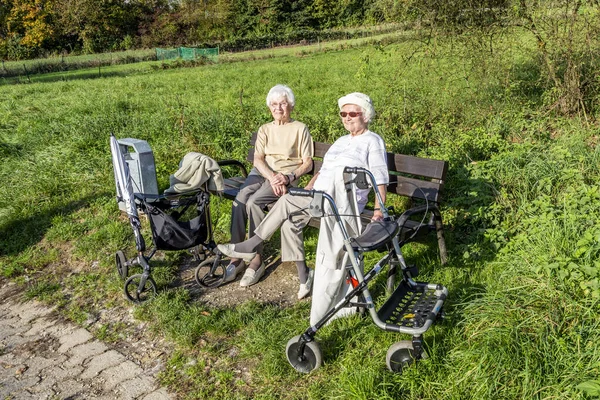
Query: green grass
pixel 521 210
pixel 26 69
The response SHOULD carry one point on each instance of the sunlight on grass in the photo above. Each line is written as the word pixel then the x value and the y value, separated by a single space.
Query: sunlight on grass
pixel 521 209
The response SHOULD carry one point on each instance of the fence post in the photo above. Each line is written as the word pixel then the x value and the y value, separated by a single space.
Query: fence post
pixel 26 73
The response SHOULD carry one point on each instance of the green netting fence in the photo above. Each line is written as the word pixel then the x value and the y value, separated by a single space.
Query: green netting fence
pixel 187 53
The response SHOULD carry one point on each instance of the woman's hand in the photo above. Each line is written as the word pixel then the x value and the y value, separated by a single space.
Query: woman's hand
pixel 278 179
pixel 377 216
pixel 279 190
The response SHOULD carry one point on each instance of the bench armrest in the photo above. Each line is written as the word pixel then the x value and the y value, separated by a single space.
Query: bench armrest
pixel 235 163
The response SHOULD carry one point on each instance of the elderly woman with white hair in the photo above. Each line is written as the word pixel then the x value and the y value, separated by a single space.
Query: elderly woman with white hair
pixel 359 148
pixel 282 153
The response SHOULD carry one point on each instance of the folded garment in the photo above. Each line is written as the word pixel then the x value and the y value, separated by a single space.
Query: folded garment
pixel 196 169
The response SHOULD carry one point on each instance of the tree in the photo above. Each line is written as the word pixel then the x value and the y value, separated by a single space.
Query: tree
pixel 32 20
pixel 567 33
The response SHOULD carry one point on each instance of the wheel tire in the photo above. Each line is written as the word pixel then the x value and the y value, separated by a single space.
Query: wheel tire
pixel 203 274
pixel 131 289
pixel 121 262
pixel 311 357
pixel 401 355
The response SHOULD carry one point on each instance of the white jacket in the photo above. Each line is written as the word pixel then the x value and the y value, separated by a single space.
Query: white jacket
pixel 330 285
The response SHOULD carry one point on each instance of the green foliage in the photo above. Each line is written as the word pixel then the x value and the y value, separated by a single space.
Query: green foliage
pixel 521 210
pixel 591 388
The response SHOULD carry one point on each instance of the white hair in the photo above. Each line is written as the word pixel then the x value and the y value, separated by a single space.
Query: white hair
pixel 361 100
pixel 281 91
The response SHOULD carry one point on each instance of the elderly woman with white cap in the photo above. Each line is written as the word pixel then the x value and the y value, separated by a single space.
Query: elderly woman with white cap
pixel 359 148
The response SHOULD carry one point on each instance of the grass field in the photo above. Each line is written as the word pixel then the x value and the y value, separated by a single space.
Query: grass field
pixel 521 208
pixel 62 67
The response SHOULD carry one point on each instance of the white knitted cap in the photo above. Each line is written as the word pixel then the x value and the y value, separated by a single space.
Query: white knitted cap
pixel 360 99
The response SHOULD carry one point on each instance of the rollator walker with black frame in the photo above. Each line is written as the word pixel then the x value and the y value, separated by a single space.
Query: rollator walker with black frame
pixel 177 222
pixel 412 307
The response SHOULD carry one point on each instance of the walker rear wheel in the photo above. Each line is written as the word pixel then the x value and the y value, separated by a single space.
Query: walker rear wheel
pixel 134 293
pixel 401 355
pixel 310 359
pixel 122 267
pixel 210 273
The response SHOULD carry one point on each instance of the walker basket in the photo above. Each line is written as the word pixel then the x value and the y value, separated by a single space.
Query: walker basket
pixel 178 224
pixel 412 306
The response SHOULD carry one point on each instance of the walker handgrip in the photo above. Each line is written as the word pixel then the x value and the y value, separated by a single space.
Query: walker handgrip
pixel 301 192
pixel 352 170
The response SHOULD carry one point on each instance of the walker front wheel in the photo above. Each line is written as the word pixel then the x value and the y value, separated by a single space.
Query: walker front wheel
pixel 308 360
pixel 401 355
pixel 121 262
pixel 138 293
pixel 210 273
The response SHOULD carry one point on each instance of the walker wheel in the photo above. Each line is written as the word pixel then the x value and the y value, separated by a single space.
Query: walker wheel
pixel 401 355
pixel 134 293
pixel 122 267
pixel 210 273
pixel 310 359
pixel 441 315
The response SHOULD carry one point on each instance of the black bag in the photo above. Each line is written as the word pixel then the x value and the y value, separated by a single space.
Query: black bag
pixel 175 225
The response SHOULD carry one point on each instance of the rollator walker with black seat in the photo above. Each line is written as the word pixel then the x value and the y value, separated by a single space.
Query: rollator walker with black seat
pixel 412 307
pixel 177 222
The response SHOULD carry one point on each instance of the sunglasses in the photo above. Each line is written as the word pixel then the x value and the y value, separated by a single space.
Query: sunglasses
pixel 352 114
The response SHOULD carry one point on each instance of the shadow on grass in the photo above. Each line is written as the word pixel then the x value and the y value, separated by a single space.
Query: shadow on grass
pixel 21 234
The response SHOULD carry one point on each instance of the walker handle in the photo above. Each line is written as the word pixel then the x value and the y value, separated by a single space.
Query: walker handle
pixel 294 191
pixel 353 170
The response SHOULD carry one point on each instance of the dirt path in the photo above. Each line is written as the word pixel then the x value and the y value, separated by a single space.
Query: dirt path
pixel 279 285
pixel 44 357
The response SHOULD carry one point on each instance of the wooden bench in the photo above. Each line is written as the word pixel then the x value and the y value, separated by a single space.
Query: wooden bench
pixel 420 180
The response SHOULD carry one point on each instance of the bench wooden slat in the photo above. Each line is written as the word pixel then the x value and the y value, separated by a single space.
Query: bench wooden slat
pixel 316 166
pixel 416 188
pixel 321 149
pixel 434 169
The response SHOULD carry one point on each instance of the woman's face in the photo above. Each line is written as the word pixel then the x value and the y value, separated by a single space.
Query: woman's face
pixel 280 109
pixel 354 124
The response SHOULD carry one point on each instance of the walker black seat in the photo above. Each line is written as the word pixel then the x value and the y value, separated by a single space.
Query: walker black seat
pixel 375 235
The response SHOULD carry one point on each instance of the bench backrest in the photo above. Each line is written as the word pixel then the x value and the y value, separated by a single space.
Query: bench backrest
pixel 410 176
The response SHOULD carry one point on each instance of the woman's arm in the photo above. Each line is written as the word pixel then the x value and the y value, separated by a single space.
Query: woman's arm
pixel 261 165
pixel 311 183
pixel 276 179
pixel 303 168
pixel 306 151
pixel 377 214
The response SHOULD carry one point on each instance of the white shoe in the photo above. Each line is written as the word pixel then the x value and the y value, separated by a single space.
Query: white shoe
pixel 231 271
pixel 229 250
pixel 306 287
pixel 251 276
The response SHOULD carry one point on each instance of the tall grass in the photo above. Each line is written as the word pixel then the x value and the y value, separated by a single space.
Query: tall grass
pixel 521 210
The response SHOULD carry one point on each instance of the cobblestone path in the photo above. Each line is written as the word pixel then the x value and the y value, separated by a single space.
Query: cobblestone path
pixel 43 357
